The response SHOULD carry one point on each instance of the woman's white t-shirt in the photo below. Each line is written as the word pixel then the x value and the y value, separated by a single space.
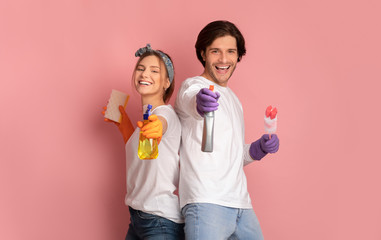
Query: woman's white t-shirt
pixel 152 184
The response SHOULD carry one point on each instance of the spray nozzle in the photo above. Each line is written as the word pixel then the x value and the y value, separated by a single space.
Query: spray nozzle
pixel 148 112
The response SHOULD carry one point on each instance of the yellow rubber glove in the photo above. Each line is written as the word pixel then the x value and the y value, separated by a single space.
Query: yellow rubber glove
pixel 153 129
pixel 125 126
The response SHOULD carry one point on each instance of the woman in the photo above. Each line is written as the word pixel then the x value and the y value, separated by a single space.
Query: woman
pixel 151 184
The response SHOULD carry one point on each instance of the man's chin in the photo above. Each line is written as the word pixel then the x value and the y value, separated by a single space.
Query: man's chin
pixel 222 80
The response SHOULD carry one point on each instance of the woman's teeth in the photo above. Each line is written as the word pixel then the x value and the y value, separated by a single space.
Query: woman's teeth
pixel 144 83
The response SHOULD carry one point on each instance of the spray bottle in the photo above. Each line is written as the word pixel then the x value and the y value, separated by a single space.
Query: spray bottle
pixel 208 131
pixel 148 147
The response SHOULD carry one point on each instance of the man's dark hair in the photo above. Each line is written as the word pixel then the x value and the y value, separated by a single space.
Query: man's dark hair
pixel 215 30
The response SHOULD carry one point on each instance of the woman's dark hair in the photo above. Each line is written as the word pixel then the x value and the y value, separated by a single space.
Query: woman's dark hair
pixel 215 30
pixel 169 91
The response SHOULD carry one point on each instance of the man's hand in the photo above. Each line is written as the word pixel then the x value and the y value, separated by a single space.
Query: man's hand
pixel 263 146
pixel 207 101
pixel 269 145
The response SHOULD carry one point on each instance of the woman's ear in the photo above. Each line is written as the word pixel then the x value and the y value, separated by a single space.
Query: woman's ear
pixel 167 84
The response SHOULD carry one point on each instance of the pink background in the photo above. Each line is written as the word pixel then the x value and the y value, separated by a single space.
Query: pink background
pixel 62 168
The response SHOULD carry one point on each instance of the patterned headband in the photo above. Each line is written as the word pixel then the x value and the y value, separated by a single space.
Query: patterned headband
pixel 167 61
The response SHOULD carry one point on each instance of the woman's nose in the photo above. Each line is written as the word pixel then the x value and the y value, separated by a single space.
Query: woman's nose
pixel 145 73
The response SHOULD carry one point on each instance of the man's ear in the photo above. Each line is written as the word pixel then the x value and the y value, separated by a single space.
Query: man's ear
pixel 203 55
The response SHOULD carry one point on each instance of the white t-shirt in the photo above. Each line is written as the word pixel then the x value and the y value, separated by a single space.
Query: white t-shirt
pixel 215 177
pixel 151 184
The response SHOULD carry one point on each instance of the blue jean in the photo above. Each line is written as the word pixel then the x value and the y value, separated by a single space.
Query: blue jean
pixel 211 221
pixel 152 227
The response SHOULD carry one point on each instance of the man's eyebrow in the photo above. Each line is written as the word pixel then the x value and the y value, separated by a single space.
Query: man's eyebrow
pixel 235 49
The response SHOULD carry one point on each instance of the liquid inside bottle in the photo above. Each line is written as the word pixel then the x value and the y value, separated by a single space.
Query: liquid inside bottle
pixel 148 147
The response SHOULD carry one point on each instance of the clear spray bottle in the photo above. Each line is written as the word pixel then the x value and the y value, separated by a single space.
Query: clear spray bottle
pixel 208 131
pixel 148 147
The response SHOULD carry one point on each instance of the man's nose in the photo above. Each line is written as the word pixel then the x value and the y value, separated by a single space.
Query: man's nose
pixel 223 57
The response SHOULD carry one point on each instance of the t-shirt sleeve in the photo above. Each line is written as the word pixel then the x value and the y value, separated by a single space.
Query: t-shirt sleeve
pixel 247 159
pixel 186 99
pixel 170 116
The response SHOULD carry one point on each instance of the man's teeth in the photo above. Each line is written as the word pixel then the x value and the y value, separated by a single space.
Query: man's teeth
pixel 222 68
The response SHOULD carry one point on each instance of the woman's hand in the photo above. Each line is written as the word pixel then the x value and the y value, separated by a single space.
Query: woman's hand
pixel 153 129
pixel 125 126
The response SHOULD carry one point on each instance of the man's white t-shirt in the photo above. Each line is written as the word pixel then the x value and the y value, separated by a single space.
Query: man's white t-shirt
pixel 151 184
pixel 215 177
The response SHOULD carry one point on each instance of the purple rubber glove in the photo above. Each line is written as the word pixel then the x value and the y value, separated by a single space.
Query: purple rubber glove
pixel 207 101
pixel 264 145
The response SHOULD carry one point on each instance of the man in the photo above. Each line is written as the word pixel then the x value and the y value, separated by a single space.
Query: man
pixel 213 188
